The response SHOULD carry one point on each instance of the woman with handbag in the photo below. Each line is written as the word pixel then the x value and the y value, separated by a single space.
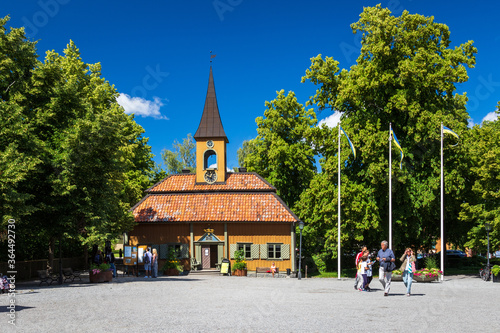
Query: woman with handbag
pixel 408 268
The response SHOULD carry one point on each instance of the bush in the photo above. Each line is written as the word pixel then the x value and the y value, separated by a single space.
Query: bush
pixel 431 262
pixel 319 262
pixel 96 269
pixel 172 262
pixel 240 261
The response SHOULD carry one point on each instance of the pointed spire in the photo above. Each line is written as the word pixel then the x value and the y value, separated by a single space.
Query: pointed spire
pixel 210 124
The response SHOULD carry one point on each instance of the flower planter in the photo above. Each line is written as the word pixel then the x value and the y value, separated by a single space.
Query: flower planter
pixel 423 278
pixel 240 272
pixel 397 277
pixel 103 276
pixel 171 272
pixel 496 278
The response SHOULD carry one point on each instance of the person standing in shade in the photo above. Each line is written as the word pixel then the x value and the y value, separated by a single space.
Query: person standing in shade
pixel 154 263
pixel 408 268
pixel 98 258
pixel 110 259
pixel 386 259
pixel 147 263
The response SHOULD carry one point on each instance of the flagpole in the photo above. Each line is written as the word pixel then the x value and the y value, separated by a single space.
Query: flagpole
pixel 390 186
pixel 442 209
pixel 338 209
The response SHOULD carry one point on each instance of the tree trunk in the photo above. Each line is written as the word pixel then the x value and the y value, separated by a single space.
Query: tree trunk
pixel 52 248
pixel 86 256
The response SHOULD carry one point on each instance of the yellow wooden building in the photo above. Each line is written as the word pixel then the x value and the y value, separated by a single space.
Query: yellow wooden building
pixel 209 214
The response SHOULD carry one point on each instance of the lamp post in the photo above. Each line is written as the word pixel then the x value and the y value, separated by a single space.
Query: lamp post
pixel 487 227
pixel 301 226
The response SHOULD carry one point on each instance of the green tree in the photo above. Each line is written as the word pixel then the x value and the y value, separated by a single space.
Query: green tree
pixel 244 151
pixel 281 152
pixel 77 162
pixel 95 161
pixel 483 206
pixel 17 149
pixel 183 156
pixel 406 75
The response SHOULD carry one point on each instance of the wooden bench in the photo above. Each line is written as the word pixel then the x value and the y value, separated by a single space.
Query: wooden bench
pixel 195 264
pixel 265 270
pixel 69 274
pixel 44 276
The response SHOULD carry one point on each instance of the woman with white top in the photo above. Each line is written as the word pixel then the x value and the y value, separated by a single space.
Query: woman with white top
pixel 408 268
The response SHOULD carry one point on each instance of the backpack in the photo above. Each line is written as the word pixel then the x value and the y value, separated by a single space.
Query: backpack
pixel 146 258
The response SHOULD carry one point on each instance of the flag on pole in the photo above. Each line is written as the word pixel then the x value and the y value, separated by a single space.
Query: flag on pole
pixel 396 142
pixel 449 131
pixel 350 143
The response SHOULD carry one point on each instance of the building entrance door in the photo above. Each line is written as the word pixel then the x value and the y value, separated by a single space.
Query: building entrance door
pixel 205 256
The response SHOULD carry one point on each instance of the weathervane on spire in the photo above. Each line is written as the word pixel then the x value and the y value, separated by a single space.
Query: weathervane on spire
pixel 212 56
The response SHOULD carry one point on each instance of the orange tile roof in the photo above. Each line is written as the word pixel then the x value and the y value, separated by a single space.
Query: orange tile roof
pixel 234 182
pixel 222 207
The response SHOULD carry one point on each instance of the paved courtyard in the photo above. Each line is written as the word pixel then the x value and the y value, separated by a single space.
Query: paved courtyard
pixel 201 303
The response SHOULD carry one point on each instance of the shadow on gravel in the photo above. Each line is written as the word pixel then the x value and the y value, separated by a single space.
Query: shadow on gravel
pixel 164 280
pixel 401 295
pixel 18 308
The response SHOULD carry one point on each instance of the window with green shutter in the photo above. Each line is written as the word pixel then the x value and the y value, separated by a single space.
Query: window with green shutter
pixel 246 248
pixel 285 251
pixel 255 251
pixel 163 251
pixel 184 252
pixel 274 251
pixel 263 251
pixel 232 249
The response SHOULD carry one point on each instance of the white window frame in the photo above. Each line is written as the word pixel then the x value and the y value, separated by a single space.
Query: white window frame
pixel 271 254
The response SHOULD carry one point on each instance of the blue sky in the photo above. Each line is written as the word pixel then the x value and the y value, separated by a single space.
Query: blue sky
pixel 156 53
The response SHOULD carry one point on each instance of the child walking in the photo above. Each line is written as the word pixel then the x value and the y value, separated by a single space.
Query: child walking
pixel 369 272
pixel 363 267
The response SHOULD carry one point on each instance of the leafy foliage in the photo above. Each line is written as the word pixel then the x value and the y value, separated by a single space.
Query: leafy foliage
pixel 406 75
pixel 183 156
pixel 483 205
pixel 72 162
pixel 281 152
pixel 240 263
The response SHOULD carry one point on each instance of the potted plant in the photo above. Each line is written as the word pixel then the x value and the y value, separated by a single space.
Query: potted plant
pixel 427 275
pixel 100 273
pixel 495 271
pixel 240 266
pixel 172 266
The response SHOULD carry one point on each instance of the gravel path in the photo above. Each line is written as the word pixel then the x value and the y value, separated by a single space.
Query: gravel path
pixel 200 303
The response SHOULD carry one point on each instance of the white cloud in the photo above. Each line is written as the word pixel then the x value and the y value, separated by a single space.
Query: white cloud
pixel 470 123
pixel 492 116
pixel 141 107
pixel 331 121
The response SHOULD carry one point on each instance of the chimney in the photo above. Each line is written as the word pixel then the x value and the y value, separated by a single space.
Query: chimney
pixel 186 171
pixel 242 169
